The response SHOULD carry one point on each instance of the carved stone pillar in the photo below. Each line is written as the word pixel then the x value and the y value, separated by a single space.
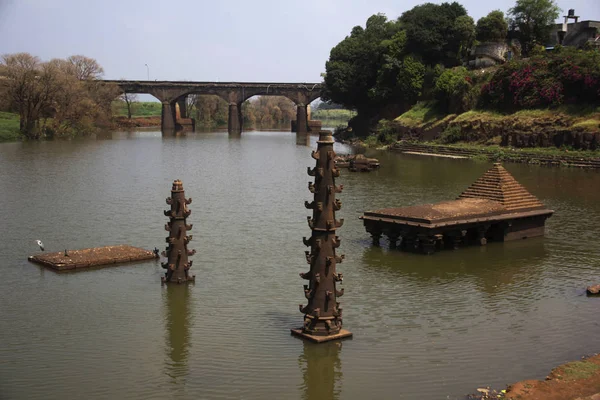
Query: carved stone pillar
pixel 393 238
pixel 322 314
pixel 481 232
pixel 375 233
pixel 408 242
pixel 456 238
pixel 177 253
pixel 427 243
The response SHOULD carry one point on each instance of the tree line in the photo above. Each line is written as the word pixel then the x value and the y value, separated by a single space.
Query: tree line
pixel 56 97
pixel 211 111
pixel 381 70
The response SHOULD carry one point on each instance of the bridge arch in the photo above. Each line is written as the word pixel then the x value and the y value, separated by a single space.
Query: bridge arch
pixel 235 93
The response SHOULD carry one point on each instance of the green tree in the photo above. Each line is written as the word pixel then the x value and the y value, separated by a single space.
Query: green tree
pixel 434 33
pixel 452 90
pixel 353 66
pixel 533 21
pixel 492 28
pixel 380 70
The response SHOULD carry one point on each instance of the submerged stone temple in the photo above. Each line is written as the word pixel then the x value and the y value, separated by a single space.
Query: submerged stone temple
pixel 177 253
pixel 323 314
pixel 496 207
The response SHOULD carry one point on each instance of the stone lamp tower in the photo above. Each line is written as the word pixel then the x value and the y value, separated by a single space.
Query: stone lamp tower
pixel 322 314
pixel 177 253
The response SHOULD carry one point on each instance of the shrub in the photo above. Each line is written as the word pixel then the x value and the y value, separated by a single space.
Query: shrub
pixel 453 90
pixel 569 76
pixel 386 133
pixel 452 134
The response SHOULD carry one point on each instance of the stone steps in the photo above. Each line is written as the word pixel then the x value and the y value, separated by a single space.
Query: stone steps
pixel 521 156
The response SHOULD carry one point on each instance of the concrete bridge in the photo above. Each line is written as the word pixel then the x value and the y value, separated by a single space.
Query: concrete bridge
pixel 171 93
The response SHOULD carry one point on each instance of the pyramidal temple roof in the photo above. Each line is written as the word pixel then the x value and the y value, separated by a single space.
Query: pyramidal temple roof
pixel 498 184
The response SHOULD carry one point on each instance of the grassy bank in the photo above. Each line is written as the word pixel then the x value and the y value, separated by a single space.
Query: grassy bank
pixel 488 127
pixel 567 135
pixel 424 114
pixel 138 109
pixel 565 128
pixel 9 127
pixel 334 115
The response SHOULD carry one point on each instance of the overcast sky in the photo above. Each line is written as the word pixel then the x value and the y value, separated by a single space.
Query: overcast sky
pixel 200 40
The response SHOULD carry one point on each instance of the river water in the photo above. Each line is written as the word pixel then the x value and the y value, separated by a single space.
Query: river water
pixel 425 327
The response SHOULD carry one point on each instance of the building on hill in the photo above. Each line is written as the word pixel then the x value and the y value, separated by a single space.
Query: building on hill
pixel 488 54
pixel 575 34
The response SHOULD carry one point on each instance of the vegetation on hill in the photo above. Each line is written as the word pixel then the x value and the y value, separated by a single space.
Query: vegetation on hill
pixel 383 69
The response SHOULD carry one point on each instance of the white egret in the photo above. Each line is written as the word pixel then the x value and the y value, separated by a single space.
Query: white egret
pixel 39 242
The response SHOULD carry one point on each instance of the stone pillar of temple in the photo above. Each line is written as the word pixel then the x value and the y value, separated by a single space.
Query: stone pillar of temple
pixel 234 124
pixel 168 116
pixel 181 102
pixel 323 314
pixel 177 264
pixel 301 119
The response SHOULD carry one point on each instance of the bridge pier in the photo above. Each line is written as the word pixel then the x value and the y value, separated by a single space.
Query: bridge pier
pixel 234 122
pixel 168 116
pixel 301 119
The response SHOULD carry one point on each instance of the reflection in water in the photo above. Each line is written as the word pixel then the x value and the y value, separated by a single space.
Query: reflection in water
pixel 177 331
pixel 321 370
pixel 493 267
pixel 173 133
pixel 104 135
pixel 303 139
pixel 235 135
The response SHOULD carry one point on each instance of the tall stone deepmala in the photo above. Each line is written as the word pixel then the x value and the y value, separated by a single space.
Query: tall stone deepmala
pixel 177 253
pixel 323 314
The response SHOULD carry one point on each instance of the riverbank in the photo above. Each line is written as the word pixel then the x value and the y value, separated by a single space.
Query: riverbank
pixel 565 127
pixel 562 137
pixel 9 127
pixel 575 380
pixel 540 156
pixel 137 122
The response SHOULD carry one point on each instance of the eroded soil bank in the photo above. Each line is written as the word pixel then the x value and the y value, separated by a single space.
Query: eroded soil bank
pixel 576 380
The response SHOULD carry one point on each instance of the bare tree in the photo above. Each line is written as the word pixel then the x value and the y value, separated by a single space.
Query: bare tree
pixel 29 86
pixel 190 104
pixel 85 68
pixel 66 90
pixel 129 99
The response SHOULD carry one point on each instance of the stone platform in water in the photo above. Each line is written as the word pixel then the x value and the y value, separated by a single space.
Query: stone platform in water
pixel 96 256
pixel 496 207
pixel 343 334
